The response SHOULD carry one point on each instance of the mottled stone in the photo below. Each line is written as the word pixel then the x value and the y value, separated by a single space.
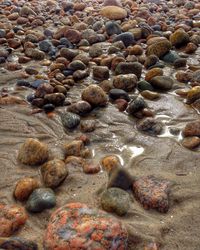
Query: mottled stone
pixel 70 120
pixel 77 226
pixel 192 129
pixel 16 243
pixel 113 12
pixel 126 82
pixel 94 95
pixel 150 126
pixel 191 142
pixel 159 49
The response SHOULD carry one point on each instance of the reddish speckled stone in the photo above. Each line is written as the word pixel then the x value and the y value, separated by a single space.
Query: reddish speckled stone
pixel 77 226
pixel 152 193
pixel 11 218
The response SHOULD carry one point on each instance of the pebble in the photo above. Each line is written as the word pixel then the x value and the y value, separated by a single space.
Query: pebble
pixel 94 95
pixel 12 217
pixel 150 95
pixel 159 49
pixel 179 38
pixel 170 57
pixel 193 95
pixel 192 129
pixel 112 28
pixel 110 163
pixel 162 82
pixel 191 142
pixel 56 99
pixel 87 126
pixel 14 243
pixel 150 126
pixel 95 51
pixel 115 94
pixel 80 108
pixel 91 168
pixel 70 120
pixel 136 105
pixel 74 148
pixel 84 220
pixel 100 73
pixel 54 173
pixel 113 12
pixel 121 104
pixel 150 61
pixel 33 152
pixel 129 68
pixel 126 82
pixel 144 85
pixel 76 65
pixel 152 193
pixel 41 199
pixel 127 38
pixel 115 200
pixel 152 73
pixel 24 188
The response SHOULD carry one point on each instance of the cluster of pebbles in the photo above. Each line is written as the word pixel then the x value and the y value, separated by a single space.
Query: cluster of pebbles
pixel 117 53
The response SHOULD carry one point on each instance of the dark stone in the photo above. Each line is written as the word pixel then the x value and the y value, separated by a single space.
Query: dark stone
pixel 150 126
pixel 129 68
pixel 127 38
pixel 30 97
pixel 144 85
pixel 112 28
pixel 41 199
pixel 45 46
pixel 136 105
pixel 80 108
pixel 120 178
pixel 48 107
pixel 23 83
pixel 35 84
pixel 119 94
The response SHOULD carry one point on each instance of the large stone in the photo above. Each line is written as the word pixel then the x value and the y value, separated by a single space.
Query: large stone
pixel 115 200
pixel 94 95
pixel 152 193
pixel 77 226
pixel 113 12
pixel 33 152
pixel 12 217
pixel 159 49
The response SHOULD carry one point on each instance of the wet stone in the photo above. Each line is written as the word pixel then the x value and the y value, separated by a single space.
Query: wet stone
pixel 150 61
pixel 115 200
pixel 170 57
pixel 74 148
pixel 56 98
pixel 15 243
pixel 87 126
pixel 191 142
pixel 120 178
pixel 113 12
pixel 115 94
pixel 126 82
pixel 24 188
pixel 144 85
pixel 70 120
pixel 152 193
pixel 76 65
pixel 136 105
pixel 150 126
pixel 129 68
pixel 91 168
pixel 159 49
pixel 127 38
pixel 110 163
pixel 54 173
pixel 192 129
pixel 80 108
pixel 33 152
pixel 100 73
pixel 112 28
pixel 150 95
pixel 12 217
pixel 162 82
pixel 181 62
pixel 179 38
pixel 41 199
pixel 62 223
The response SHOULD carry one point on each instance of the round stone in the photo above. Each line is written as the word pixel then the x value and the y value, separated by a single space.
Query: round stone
pixel 115 200
pixel 70 120
pixel 126 82
pixel 33 152
pixel 94 95
pixel 113 12
pixel 40 199
pixel 77 226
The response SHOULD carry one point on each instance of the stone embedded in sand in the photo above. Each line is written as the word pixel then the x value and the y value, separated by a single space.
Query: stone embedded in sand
pixel 94 95
pixel 115 200
pixel 193 95
pixel 16 243
pixel 159 49
pixel 126 82
pixel 91 168
pixel 12 217
pixel 137 104
pixel 192 129
pixel 87 126
pixel 191 142
pixel 74 162
pixel 113 12
pixel 179 38
pixel 115 94
pixel 152 73
pixel 25 187
pixel 70 120
pixel 110 162
pixel 77 226
pixel 162 82
pixel 120 178
pixel 152 193
pixel 129 68
pixel 121 104
pixel 41 199
pixel 35 54
pixel 9 100
pixel 56 98
pixel 74 148
pixel 54 173
pixel 33 152
pixel 26 11
pixel 150 126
